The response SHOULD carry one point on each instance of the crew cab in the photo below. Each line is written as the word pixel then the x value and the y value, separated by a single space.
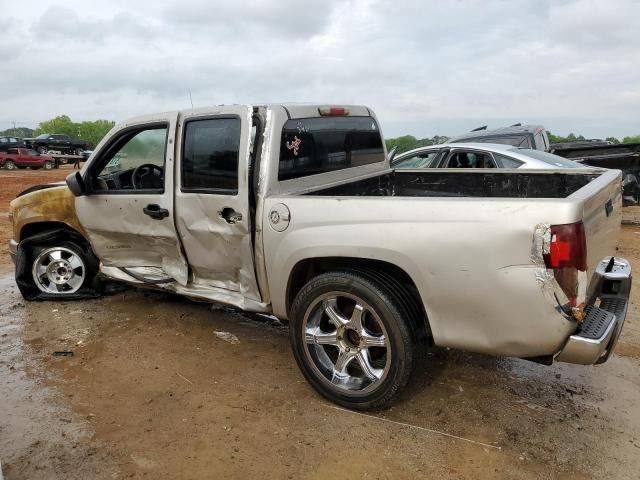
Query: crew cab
pixel 23 158
pixel 56 142
pixel 294 211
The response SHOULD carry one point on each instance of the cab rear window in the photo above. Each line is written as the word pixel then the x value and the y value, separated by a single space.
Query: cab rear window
pixel 310 146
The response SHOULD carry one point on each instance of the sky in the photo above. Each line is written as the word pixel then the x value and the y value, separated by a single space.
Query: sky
pixel 426 67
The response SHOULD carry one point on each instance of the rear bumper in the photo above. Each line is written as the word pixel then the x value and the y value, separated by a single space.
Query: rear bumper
pixel 13 250
pixel 597 336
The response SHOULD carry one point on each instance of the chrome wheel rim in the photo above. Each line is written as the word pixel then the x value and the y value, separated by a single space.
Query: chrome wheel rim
pixel 58 270
pixel 346 343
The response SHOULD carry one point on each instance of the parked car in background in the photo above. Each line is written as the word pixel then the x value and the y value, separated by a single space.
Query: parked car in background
pixel 595 153
pixel 480 155
pixel 61 143
pixel 10 142
pixel 23 158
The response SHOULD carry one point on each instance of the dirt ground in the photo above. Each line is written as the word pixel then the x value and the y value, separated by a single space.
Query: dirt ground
pixel 152 392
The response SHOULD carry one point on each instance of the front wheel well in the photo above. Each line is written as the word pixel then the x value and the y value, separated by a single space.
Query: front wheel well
pixel 309 268
pixel 36 228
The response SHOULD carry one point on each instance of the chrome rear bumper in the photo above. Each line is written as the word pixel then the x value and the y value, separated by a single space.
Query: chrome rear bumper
pixel 597 336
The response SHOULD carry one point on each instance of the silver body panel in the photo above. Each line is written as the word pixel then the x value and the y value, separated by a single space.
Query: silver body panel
pixel 469 257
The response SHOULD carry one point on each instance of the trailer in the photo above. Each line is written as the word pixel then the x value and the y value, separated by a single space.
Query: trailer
pixel 60 158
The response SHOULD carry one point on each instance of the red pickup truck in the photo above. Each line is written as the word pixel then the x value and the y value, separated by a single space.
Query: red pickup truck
pixel 23 157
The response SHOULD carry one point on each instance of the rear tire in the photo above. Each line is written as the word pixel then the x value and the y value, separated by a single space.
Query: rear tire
pixel 42 150
pixel 352 338
pixel 9 165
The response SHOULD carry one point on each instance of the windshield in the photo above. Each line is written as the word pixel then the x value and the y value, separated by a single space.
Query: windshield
pixel 43 136
pixel 549 158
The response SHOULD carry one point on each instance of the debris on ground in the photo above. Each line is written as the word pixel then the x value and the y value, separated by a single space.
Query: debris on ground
pixel 63 353
pixel 227 337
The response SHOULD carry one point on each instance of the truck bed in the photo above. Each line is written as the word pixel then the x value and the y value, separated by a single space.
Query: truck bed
pixel 465 183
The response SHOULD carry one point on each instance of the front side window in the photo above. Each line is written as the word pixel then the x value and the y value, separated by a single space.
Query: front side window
pixel 310 146
pixel 420 160
pixel 134 161
pixel 210 155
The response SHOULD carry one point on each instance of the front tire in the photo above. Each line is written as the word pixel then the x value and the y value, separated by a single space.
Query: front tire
pixel 48 165
pixel 351 336
pixel 61 270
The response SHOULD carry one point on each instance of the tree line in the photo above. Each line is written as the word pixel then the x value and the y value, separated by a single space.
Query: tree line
pixel 93 131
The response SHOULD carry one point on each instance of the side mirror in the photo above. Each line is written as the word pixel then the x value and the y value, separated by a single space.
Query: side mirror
pixel 76 184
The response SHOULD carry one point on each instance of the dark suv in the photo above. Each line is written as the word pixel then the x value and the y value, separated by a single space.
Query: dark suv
pixel 62 143
pixel 10 142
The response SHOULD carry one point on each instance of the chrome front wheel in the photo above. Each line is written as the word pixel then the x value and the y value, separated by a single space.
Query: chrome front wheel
pixel 59 270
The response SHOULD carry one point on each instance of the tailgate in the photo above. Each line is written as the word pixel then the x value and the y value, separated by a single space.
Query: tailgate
pixel 601 216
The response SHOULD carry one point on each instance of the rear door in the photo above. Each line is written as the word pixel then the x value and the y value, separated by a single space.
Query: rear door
pixel 129 214
pixel 213 211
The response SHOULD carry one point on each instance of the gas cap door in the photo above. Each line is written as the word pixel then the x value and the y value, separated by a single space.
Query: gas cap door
pixel 279 217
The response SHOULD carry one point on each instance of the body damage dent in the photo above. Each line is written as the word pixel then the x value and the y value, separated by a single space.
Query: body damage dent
pixel 209 293
pixel 55 204
pixel 545 277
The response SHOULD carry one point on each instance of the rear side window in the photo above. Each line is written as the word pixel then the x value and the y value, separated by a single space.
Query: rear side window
pixel 210 155
pixel 507 162
pixel 310 146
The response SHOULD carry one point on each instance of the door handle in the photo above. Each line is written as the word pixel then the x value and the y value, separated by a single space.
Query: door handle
pixel 230 216
pixel 155 211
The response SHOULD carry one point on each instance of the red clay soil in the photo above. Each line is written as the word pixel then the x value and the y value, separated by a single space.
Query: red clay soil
pixel 12 183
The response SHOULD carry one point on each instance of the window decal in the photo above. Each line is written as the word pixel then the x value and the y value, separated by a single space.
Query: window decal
pixel 295 145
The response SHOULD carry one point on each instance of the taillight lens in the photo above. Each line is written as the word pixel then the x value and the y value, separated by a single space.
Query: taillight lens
pixel 333 111
pixel 568 247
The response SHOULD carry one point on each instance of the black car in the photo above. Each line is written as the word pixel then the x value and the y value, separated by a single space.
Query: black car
pixel 10 142
pixel 56 142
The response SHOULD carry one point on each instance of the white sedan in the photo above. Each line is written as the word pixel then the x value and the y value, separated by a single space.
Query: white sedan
pixel 480 155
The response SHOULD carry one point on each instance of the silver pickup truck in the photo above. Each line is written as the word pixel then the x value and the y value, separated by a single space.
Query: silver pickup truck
pixel 294 211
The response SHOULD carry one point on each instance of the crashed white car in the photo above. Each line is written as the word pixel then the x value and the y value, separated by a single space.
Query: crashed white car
pixel 480 155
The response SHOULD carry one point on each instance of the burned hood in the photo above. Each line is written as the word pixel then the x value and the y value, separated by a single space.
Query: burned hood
pixel 35 188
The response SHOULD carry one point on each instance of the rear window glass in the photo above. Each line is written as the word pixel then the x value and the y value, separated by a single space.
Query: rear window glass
pixel 550 158
pixel 514 140
pixel 310 146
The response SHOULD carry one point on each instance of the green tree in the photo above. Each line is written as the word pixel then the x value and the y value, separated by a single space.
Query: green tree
pixel 409 142
pixel 634 139
pixel 90 132
pixel 613 140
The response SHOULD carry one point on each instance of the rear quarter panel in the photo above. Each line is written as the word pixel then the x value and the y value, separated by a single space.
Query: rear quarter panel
pixel 471 260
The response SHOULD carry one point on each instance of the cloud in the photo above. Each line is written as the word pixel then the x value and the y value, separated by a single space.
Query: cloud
pixel 425 67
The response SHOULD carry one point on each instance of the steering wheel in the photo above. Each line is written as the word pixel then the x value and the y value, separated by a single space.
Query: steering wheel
pixel 144 176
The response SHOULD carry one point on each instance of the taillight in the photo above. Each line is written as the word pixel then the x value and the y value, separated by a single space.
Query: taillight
pixel 333 111
pixel 568 247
